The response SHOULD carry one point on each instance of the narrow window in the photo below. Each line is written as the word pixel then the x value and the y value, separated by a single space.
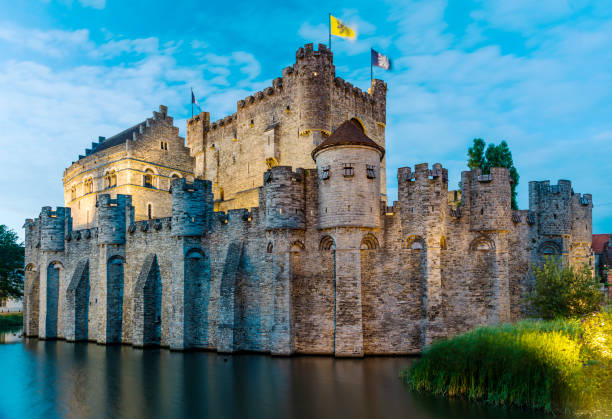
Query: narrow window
pixel 371 172
pixel 325 173
pixel 150 211
pixel 348 170
pixel 161 143
pixel 148 179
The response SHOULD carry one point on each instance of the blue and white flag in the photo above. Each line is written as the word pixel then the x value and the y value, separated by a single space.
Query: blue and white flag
pixel 380 60
pixel 194 101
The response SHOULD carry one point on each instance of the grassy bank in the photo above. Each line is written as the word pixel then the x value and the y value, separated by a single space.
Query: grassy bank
pixel 556 366
pixel 11 319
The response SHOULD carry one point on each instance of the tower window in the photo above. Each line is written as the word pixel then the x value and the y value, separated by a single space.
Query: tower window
pixel 148 179
pixel 348 170
pixel 89 185
pixel 73 193
pixel 150 211
pixel 371 172
pixel 325 172
pixel 110 179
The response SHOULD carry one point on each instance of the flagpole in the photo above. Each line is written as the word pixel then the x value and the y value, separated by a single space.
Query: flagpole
pixel 371 71
pixel 329 26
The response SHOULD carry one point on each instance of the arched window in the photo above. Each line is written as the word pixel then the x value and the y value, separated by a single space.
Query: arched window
pixel 73 193
pixel 148 178
pixel 88 185
pixel 369 242
pixel 327 243
pixel 414 242
pixel 549 248
pixel 270 247
pixel 176 176
pixel 110 179
pixel 483 243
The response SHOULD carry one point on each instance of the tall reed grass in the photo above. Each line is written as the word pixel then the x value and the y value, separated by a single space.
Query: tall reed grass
pixel 556 365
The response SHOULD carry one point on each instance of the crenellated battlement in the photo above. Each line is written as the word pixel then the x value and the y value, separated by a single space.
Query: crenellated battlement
pixel 284 198
pixel 192 207
pixel 306 57
pixel 54 225
pixel 487 198
pixel 113 217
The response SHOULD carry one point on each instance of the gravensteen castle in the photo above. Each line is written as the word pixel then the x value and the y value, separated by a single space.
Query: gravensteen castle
pixel 269 230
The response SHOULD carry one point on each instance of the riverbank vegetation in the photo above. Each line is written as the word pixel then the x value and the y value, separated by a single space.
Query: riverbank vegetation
pixel 559 363
pixel 11 320
pixel 554 365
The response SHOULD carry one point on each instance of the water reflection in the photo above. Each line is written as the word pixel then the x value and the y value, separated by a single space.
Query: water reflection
pixel 58 379
pixel 10 334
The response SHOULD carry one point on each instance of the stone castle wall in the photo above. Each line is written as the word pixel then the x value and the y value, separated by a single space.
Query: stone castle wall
pixel 244 281
pixel 252 243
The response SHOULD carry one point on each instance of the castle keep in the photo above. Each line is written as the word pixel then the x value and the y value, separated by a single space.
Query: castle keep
pixel 271 232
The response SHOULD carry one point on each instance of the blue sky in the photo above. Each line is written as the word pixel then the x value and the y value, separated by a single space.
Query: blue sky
pixel 536 74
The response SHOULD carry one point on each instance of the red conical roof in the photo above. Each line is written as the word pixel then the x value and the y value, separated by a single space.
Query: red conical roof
pixel 348 134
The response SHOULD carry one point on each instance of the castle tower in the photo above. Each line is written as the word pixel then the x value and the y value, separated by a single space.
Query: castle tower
pixel 54 225
pixel 563 219
pixel 113 217
pixel 348 164
pixel 192 210
pixel 487 199
pixel 422 195
pixel 284 196
pixel 315 77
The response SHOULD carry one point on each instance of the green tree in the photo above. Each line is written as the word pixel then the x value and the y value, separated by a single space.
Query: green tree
pixel 11 264
pixel 562 291
pixel 494 156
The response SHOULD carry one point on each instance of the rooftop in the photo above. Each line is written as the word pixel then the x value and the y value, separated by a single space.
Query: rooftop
pixel 348 133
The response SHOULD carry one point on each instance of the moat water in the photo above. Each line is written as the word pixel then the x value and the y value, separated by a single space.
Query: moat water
pixel 58 379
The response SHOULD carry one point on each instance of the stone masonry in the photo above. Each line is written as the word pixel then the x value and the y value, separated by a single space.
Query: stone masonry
pixel 271 232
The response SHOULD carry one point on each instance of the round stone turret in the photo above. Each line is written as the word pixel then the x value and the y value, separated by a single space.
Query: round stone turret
pixel 192 207
pixel 348 165
pixel 284 195
pixel 113 216
pixel 53 227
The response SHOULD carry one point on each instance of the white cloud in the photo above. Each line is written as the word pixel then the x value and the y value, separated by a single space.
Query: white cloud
pixel 137 46
pixel 55 43
pixel 550 105
pixel 51 114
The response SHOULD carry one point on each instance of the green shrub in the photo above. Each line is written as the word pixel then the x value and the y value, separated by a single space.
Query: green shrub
pixel 15 319
pixel 562 291
pixel 557 366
